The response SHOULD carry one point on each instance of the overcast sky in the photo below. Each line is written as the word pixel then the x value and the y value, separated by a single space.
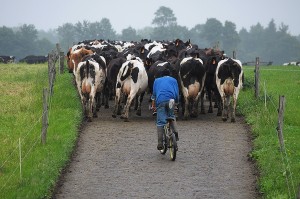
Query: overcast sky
pixel 50 14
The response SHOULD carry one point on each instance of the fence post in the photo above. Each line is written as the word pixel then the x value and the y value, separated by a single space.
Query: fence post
pixel 257 77
pixel 234 55
pixel 51 71
pixel 45 116
pixel 280 121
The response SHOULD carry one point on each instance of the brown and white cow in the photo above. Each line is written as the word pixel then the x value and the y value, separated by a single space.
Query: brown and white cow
pixel 132 80
pixel 74 57
pixel 90 77
pixel 229 80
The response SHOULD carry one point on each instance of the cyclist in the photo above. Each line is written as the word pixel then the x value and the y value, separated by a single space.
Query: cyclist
pixel 165 92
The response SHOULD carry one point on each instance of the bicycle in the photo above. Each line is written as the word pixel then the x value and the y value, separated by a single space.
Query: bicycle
pixel 169 138
pixel 169 141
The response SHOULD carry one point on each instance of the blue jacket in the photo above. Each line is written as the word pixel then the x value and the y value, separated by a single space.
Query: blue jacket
pixel 164 89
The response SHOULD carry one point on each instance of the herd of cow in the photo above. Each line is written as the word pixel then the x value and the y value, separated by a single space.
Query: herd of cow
pixel 125 71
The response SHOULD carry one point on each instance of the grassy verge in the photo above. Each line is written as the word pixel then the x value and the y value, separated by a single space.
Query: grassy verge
pixel 21 88
pixel 280 176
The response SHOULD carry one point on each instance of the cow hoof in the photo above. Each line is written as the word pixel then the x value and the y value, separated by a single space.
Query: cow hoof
pixel 114 116
pixel 95 116
pixel 126 120
pixel 224 119
pixel 219 114
pixel 233 120
pixel 106 106
pixel 123 117
pixel 210 110
pixel 139 113
pixel 202 111
pixel 89 119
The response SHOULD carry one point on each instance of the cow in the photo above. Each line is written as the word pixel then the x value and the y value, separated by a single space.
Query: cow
pixel 76 57
pixel 229 81
pixel 33 59
pixel 191 77
pixel 132 80
pixel 7 59
pixel 90 77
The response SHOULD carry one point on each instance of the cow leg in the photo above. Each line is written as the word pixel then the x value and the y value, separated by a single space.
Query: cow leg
pixel 140 100
pixel 125 113
pixel 98 98
pixel 186 109
pixel 195 104
pixel 89 109
pixel 219 103
pixel 226 103
pixel 117 103
pixel 233 109
pixel 209 93
pixel 94 107
pixel 202 103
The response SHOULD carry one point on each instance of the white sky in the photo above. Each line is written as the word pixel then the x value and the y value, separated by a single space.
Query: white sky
pixel 49 14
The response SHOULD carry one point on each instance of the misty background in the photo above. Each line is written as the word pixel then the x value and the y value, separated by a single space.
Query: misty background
pixel 271 42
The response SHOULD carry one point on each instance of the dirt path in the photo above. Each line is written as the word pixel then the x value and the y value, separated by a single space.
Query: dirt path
pixel 117 159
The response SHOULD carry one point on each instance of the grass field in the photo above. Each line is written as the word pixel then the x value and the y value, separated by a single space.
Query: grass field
pixel 21 88
pixel 279 172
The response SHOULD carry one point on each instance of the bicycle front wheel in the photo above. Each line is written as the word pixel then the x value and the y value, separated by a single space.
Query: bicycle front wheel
pixel 172 147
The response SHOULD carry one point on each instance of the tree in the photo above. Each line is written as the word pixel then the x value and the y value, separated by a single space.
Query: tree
pixel 7 41
pixel 66 35
pixel 164 17
pixel 196 36
pixel 230 37
pixel 129 34
pixel 212 31
pixel 106 30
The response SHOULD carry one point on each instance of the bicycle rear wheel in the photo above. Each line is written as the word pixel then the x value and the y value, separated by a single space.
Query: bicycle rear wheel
pixel 172 147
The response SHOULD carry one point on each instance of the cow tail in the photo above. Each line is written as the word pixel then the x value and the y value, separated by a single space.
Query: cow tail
pixel 86 87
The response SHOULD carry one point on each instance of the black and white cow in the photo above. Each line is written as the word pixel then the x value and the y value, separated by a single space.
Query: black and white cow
pixel 229 80
pixel 33 59
pixel 7 59
pixel 132 81
pixel 191 77
pixel 90 77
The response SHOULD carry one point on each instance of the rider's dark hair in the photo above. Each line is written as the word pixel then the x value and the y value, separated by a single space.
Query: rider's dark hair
pixel 165 72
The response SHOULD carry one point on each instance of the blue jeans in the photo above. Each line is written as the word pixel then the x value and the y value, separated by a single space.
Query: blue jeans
pixel 164 112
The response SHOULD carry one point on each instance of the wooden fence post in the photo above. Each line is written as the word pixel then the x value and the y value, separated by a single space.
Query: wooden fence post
pixel 280 122
pixel 45 116
pixel 51 71
pixel 257 77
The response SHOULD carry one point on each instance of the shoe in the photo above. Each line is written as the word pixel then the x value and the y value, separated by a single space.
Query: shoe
pixel 176 136
pixel 160 146
pixel 160 131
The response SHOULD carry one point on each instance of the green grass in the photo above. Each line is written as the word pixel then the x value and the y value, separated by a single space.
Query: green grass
pixel 21 87
pixel 273 165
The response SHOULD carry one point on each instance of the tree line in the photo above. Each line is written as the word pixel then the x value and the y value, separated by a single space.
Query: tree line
pixel 270 43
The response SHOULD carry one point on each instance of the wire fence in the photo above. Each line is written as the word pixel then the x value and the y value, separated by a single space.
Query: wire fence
pixel 273 108
pixel 22 148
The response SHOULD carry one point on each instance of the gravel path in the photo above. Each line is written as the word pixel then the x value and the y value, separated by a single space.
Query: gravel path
pixel 116 159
